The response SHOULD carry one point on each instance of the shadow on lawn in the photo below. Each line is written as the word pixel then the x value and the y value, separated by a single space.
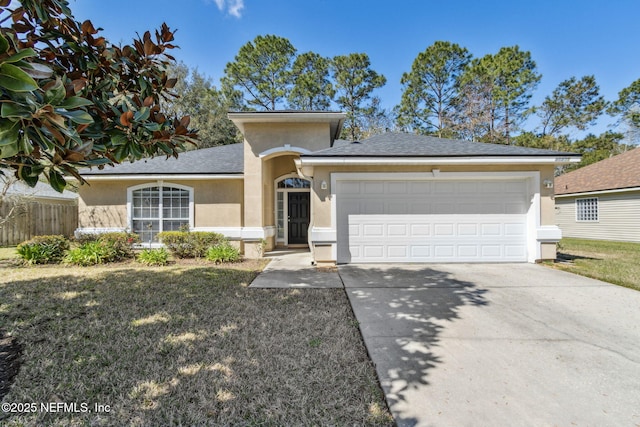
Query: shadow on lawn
pixel 564 257
pixel 185 346
pixel 403 312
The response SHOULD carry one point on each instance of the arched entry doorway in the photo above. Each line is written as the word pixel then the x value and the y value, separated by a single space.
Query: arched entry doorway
pixel 293 210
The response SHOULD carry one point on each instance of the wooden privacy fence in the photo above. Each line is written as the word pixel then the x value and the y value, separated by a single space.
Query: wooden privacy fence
pixel 35 218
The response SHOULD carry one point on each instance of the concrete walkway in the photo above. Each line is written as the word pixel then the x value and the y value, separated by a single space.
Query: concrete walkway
pixel 293 269
pixel 499 345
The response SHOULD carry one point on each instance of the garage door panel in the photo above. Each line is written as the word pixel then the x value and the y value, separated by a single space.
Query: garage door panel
pixel 372 230
pixel 397 230
pixel 374 188
pixel 432 221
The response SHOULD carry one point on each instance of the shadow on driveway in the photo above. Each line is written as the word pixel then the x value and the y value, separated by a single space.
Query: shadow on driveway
pixel 402 313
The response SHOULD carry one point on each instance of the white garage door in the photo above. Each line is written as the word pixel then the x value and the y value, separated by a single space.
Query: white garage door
pixel 432 221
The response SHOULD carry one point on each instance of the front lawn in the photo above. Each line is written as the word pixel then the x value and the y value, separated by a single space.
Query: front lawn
pixel 187 344
pixel 614 262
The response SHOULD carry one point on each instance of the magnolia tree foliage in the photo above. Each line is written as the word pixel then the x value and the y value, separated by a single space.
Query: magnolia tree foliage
pixel 70 99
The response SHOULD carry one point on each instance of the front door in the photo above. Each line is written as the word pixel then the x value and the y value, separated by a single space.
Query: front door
pixel 298 210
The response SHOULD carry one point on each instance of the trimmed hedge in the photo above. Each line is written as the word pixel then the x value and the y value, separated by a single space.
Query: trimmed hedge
pixel 43 249
pixel 187 244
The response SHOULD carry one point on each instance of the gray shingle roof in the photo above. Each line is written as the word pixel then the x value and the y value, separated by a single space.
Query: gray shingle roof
pixel 395 144
pixel 225 159
pixel 41 190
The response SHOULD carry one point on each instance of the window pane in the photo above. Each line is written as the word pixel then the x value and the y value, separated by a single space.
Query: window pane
pixel 294 183
pixel 173 225
pixel 146 229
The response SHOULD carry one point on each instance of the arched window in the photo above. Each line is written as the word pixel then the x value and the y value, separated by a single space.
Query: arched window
pixel 294 183
pixel 157 208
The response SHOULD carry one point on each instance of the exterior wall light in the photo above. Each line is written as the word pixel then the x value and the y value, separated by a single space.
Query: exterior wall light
pixel 548 183
pixel 323 185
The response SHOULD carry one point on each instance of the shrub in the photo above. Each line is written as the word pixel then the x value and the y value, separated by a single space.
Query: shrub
pixel 43 249
pixel 121 243
pixel 91 253
pixel 153 256
pixel 223 252
pixel 185 244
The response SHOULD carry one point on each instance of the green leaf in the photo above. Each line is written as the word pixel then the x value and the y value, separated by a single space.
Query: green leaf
pixel 14 79
pixel 35 70
pixel 57 181
pixel 4 44
pixel 119 139
pixel 9 151
pixel 55 94
pixel 9 131
pixel 142 114
pixel 25 53
pixel 98 161
pixel 74 102
pixel 25 144
pixel 26 174
pixel 12 109
pixel 80 117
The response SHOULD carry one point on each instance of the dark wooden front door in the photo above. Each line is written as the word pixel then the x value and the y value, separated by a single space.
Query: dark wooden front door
pixel 298 205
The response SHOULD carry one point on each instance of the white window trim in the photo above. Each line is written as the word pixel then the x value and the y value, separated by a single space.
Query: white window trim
pixel 285 205
pixel 597 209
pixel 158 183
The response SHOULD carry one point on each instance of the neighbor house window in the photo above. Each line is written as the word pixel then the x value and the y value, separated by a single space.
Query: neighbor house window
pixel 159 208
pixel 587 209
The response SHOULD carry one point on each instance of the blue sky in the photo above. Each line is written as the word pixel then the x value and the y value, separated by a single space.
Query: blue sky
pixel 565 37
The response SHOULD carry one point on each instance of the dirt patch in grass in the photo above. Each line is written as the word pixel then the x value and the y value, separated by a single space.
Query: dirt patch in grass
pixel 186 344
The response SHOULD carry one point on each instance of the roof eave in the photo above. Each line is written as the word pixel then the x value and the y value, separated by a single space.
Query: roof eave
pixel 596 192
pixel 444 160
pixel 165 176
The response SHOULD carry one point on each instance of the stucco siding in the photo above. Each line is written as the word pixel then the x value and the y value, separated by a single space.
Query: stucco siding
pixel 217 203
pixel 618 217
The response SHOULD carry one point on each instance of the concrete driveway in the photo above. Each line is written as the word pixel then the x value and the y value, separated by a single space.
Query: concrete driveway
pixel 499 345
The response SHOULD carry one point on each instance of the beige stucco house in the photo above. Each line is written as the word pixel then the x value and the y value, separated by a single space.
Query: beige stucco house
pixel 395 197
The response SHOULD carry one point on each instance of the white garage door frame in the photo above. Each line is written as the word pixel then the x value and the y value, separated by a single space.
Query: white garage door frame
pixel 531 177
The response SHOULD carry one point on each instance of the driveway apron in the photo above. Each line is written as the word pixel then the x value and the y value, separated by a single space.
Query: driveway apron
pixel 499 344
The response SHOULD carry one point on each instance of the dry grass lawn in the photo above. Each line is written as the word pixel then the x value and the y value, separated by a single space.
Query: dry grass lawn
pixel 613 262
pixel 187 344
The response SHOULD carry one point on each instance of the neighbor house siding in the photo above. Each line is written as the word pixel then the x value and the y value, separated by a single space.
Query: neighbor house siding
pixel 618 217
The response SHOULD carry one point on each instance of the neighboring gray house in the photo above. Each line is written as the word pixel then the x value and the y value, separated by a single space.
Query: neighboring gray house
pixel 601 201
